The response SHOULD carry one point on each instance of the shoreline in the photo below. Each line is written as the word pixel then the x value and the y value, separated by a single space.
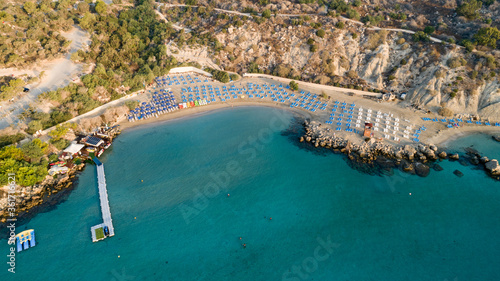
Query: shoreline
pixel 442 138
pixel 445 139
pixel 194 112
pixel 372 157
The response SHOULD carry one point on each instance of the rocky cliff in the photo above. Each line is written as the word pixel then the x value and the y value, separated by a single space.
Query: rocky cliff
pixel 434 75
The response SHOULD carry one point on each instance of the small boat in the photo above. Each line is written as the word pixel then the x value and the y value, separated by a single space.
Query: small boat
pixel 100 153
pixel 107 145
pixel 106 231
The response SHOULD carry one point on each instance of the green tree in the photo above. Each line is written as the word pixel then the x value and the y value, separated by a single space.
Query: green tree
pixel 34 150
pixel 59 132
pixel 469 45
pixel 234 77
pixel 487 36
pixel 101 8
pixel 131 104
pixel 34 126
pixel 87 20
pixel 266 13
pixel 353 14
pixel 469 9
pixel 82 8
pixel 10 139
pixel 294 86
pixel 429 29
pixel 223 77
pixel 421 36
pixel 29 7
pixel 320 33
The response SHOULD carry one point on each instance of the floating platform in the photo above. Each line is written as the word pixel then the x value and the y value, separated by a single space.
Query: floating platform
pixel 25 240
pixel 105 229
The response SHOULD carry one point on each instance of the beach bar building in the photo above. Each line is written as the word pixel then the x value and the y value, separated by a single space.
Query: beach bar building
pixel 25 240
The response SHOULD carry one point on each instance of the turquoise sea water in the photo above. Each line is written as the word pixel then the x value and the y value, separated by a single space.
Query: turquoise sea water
pixel 329 222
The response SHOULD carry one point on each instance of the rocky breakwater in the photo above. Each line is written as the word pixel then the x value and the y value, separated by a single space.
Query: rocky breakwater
pixel 32 199
pixel 490 166
pixel 415 159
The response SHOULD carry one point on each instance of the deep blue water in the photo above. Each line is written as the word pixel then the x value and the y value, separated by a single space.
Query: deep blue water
pixel 329 222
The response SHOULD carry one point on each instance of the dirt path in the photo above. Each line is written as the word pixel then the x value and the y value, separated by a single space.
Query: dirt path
pixel 175 26
pixel 433 39
pixel 58 73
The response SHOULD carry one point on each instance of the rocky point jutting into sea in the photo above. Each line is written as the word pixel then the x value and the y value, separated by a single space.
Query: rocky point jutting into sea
pixel 24 202
pixel 31 200
pixel 415 159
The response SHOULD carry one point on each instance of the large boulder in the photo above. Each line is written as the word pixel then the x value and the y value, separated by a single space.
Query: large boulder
pixel 407 166
pixel 421 169
pixel 454 156
pixel 442 155
pixel 409 151
pixel 492 167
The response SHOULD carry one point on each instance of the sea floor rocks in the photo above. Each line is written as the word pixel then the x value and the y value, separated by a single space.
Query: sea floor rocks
pixel 458 173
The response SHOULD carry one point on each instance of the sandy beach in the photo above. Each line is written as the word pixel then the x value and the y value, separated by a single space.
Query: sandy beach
pixel 436 133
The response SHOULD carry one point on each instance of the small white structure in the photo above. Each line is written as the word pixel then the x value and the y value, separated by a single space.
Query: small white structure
pixel 71 151
pixel 74 148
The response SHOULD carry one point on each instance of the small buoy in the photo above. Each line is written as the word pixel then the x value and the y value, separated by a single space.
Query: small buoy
pixel 240 238
pixel 410 193
pixel 228 195
pixel 135 218
pixel 118 256
pixel 270 218
pixel 142 181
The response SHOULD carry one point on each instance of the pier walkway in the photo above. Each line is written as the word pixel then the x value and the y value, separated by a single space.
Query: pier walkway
pixel 103 196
